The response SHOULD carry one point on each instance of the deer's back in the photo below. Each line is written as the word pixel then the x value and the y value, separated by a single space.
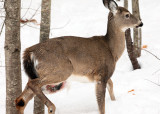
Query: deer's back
pixel 87 55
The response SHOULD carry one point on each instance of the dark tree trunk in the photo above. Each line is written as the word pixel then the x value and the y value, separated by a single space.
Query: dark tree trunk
pixel 129 44
pixel 12 54
pixel 130 50
pixel 44 35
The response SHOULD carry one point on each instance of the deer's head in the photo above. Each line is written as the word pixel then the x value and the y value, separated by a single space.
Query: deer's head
pixel 122 18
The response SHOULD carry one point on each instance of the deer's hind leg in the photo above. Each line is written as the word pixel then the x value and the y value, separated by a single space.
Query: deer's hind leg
pixel 23 99
pixel 34 85
pixel 110 89
pixel 50 75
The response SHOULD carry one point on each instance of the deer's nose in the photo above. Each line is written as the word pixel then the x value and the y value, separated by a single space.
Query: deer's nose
pixel 140 25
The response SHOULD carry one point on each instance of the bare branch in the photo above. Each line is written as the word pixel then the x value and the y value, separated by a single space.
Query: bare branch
pixel 156 72
pixel 51 28
pixel 153 82
pixel 2 28
pixel 62 26
pixel 32 17
pixel 35 12
pixel 3 23
pixel 27 9
pixel 31 9
pixel 30 26
pixel 151 54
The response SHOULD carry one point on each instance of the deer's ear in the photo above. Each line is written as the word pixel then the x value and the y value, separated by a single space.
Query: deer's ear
pixel 106 2
pixel 113 7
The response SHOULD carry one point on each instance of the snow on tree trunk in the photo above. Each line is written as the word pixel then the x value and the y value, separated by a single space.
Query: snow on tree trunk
pixel 44 35
pixel 137 32
pixel 12 54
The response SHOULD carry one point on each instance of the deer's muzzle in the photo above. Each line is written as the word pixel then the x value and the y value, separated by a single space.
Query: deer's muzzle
pixel 140 25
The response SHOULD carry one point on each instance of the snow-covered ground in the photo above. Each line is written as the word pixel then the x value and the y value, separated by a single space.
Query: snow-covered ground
pixel 135 91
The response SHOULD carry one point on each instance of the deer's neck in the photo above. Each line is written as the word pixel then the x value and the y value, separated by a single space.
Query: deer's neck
pixel 116 40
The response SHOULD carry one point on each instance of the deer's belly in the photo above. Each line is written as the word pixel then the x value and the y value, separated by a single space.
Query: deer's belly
pixel 79 78
pixel 55 87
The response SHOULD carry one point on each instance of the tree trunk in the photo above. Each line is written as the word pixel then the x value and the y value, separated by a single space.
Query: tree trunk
pixel 38 106
pixel 126 4
pixel 129 45
pixel 137 32
pixel 44 35
pixel 12 54
pixel 130 50
pixel 45 20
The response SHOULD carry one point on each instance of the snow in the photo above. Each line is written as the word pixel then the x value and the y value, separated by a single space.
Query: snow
pixel 135 91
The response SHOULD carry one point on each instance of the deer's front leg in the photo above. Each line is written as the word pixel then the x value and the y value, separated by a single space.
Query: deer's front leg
pixel 110 89
pixel 100 94
pixel 36 88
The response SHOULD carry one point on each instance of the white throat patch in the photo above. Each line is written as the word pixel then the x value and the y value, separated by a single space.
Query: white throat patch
pixel 124 29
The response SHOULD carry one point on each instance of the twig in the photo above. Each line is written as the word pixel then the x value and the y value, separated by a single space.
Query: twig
pixel 156 72
pixel 32 17
pixel 35 12
pixel 29 26
pixel 31 9
pixel 27 9
pixel 152 82
pixel 155 57
pixel 62 26
pixel 3 21
pixel 50 29
pixel 2 28
pixel 151 54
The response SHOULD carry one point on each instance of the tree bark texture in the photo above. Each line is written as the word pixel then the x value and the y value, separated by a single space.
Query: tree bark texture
pixel 12 54
pixel 130 50
pixel 38 106
pixel 44 35
pixel 126 4
pixel 136 32
pixel 45 20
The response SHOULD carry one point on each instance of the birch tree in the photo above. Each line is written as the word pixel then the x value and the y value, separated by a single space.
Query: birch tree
pixel 44 35
pixel 12 54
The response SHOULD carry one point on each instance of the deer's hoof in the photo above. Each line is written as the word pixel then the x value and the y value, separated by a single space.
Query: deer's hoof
pixel 51 110
pixel 113 99
pixel 19 103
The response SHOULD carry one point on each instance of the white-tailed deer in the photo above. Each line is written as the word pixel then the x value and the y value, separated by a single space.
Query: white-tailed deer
pixel 50 65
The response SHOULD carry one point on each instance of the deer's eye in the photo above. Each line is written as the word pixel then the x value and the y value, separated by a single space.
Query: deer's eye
pixel 127 15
